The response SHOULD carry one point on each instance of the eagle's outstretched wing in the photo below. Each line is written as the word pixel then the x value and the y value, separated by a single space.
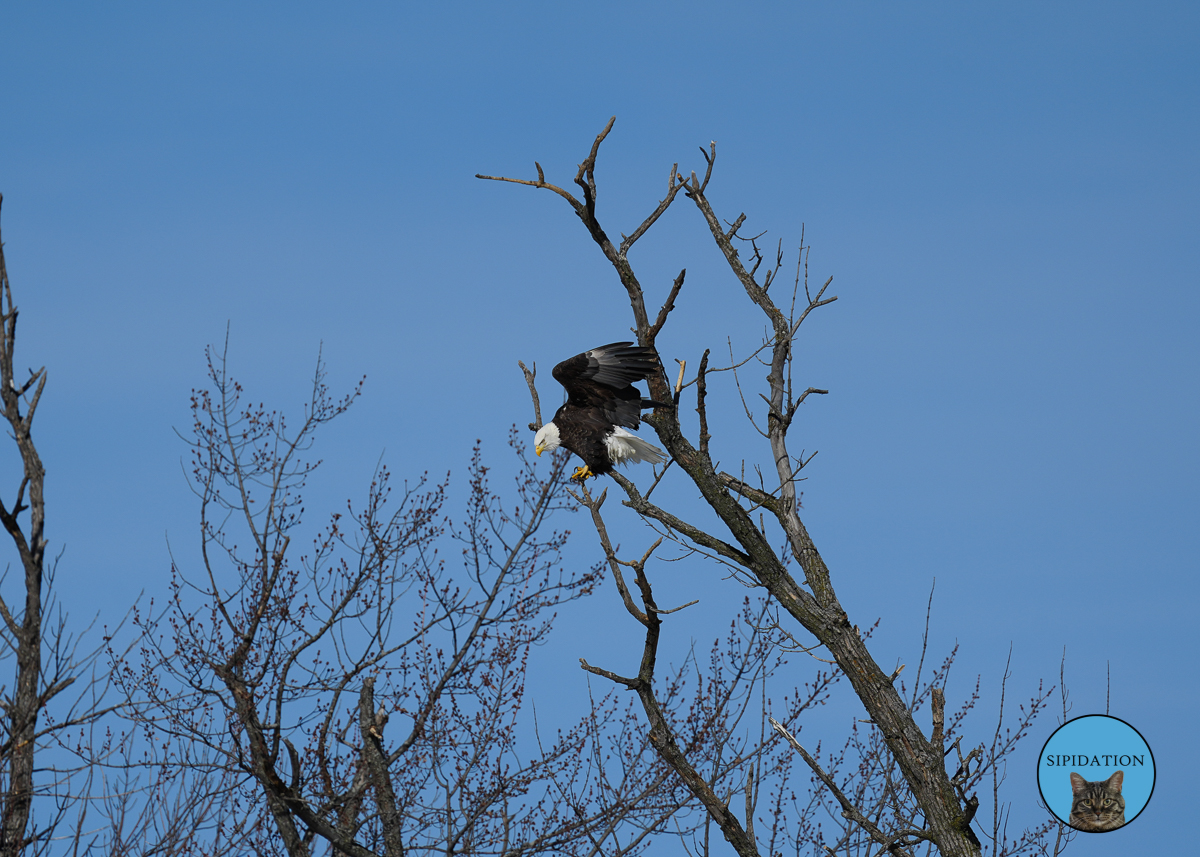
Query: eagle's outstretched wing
pixel 616 365
pixel 602 378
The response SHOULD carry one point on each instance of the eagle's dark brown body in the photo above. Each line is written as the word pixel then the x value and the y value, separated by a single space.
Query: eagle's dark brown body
pixel 600 396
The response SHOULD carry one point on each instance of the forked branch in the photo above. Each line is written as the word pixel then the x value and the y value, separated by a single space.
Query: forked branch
pixel 530 377
pixel 662 736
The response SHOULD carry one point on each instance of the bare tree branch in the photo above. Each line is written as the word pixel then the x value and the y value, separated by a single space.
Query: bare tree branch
pixel 530 376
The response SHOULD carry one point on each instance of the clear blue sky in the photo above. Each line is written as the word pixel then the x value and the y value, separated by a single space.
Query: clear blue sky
pixel 1006 195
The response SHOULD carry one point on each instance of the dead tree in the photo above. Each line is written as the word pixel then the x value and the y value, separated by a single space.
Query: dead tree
pixel 23 627
pixel 944 811
pixel 53 691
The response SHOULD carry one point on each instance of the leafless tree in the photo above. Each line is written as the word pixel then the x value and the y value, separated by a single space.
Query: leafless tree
pixel 927 804
pixel 861 790
pixel 53 693
pixel 738 767
pixel 367 696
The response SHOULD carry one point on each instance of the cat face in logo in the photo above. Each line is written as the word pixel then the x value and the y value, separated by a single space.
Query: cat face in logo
pixel 1098 806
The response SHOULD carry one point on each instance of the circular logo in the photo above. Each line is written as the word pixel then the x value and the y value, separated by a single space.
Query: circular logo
pixel 1096 773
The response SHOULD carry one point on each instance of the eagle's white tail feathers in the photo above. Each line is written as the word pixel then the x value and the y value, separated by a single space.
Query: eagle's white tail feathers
pixel 624 448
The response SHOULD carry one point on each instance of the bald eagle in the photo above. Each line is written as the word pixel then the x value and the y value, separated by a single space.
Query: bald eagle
pixel 600 400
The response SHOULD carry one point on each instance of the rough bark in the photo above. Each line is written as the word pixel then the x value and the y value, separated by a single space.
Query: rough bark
pixel 22 713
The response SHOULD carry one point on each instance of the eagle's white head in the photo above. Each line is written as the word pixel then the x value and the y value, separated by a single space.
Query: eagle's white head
pixel 546 439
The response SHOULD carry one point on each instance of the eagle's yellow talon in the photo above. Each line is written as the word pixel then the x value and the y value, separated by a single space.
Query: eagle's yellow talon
pixel 601 400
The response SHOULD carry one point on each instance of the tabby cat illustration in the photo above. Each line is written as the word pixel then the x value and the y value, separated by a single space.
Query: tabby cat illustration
pixel 1097 806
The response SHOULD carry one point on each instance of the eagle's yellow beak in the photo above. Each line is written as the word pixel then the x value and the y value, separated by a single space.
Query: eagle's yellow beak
pixel 538 450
